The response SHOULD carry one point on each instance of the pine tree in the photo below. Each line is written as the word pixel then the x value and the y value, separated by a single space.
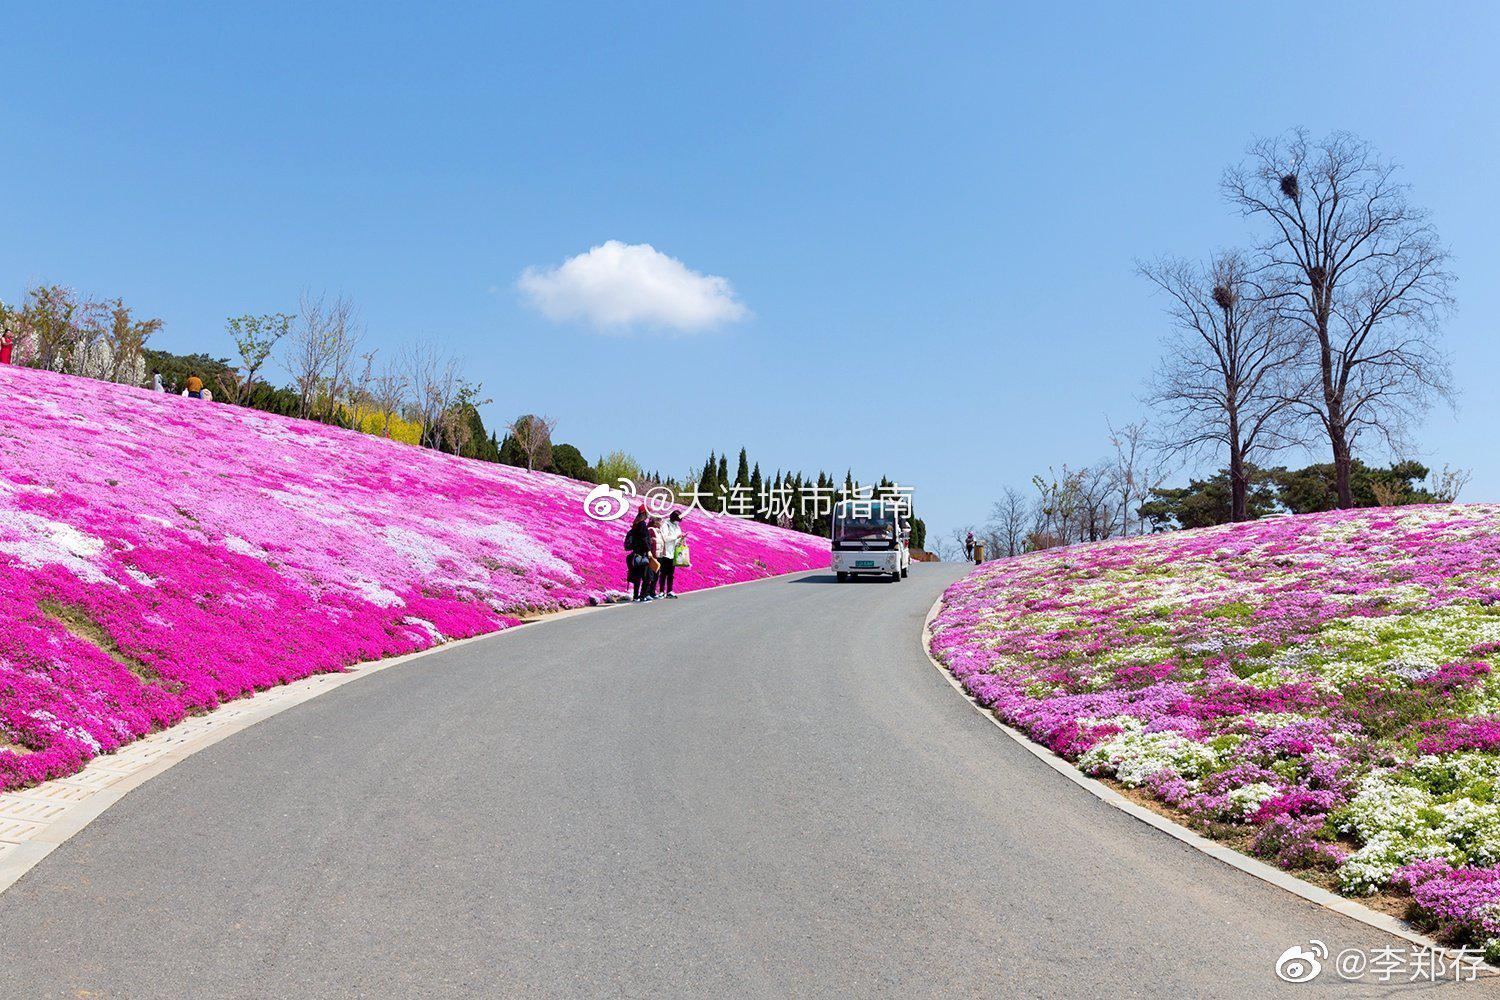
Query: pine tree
pixel 742 474
pixel 799 516
pixel 756 485
pixel 510 452
pixel 708 482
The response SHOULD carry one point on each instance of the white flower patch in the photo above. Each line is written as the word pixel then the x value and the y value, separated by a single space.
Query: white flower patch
pixel 1246 799
pixel 377 595
pixel 421 551
pixel 53 724
pixel 313 505
pixel 1400 823
pixel 240 547
pixel 1133 757
pixel 1269 721
pixel 18 489
pixel 1412 645
pixel 426 626
pixel 36 541
pixel 509 543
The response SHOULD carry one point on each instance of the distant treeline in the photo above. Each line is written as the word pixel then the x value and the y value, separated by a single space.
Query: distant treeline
pixel 793 500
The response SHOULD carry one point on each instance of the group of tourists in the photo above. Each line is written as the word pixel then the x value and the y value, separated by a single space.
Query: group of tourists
pixel 655 547
pixel 193 388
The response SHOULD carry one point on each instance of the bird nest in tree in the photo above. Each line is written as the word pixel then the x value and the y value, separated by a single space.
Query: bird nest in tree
pixel 1317 276
pixel 1290 187
pixel 1224 296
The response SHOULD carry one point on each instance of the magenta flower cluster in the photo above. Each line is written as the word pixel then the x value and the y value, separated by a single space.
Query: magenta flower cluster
pixel 1463 903
pixel 159 555
pixel 1323 681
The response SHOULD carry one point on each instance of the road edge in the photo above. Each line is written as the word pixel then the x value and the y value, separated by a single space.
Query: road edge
pixel 1250 866
pixel 36 821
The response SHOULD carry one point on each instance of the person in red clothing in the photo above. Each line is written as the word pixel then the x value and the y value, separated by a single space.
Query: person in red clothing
pixel 7 346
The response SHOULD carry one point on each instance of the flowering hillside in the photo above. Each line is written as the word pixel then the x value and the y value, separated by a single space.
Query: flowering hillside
pixel 159 555
pixel 1323 682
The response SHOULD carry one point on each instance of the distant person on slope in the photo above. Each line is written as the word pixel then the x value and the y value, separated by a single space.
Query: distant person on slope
pixel 668 537
pixel 195 389
pixel 156 383
pixel 969 546
pixel 637 562
pixel 7 346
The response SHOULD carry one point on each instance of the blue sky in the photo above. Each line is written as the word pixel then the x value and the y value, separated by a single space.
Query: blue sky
pixel 930 211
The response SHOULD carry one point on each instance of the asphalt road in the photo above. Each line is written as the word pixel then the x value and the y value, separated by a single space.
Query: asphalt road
pixel 764 791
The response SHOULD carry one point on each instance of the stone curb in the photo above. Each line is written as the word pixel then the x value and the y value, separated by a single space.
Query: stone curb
pixel 1250 866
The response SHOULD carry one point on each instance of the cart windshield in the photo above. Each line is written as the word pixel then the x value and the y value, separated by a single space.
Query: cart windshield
pixel 864 521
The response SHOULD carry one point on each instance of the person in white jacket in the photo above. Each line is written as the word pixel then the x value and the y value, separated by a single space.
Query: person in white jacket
pixel 667 537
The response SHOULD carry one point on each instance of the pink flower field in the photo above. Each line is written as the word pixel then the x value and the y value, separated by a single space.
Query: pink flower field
pixel 160 555
pixel 1323 683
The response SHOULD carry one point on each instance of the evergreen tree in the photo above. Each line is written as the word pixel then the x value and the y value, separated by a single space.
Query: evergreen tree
pixel 708 482
pixel 742 474
pixel 511 452
pixel 569 461
pixel 756 484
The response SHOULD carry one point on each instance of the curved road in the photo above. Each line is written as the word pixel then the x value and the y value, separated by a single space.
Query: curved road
pixel 759 791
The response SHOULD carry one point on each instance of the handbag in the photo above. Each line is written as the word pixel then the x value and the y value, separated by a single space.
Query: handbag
pixel 682 557
pixel 655 566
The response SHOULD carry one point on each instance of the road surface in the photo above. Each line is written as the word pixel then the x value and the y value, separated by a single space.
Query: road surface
pixel 762 791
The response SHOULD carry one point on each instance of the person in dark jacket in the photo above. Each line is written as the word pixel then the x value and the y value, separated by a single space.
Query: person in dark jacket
pixel 653 565
pixel 638 544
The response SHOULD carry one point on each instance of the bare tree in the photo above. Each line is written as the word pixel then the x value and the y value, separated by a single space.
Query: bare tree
pixel 52 318
pixel 344 340
pixel 1095 486
pixel 388 391
pixel 432 375
pixel 1228 383
pixel 1446 486
pixel 1012 519
pixel 255 337
pixel 1136 470
pixel 1076 505
pixel 124 341
pixel 322 343
pixel 359 388
pixel 1361 271
pixel 533 434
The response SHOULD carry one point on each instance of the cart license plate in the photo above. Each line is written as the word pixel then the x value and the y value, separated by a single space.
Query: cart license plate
pixel 864 564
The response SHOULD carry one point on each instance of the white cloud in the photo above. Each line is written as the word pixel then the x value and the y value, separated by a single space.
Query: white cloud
pixel 631 284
